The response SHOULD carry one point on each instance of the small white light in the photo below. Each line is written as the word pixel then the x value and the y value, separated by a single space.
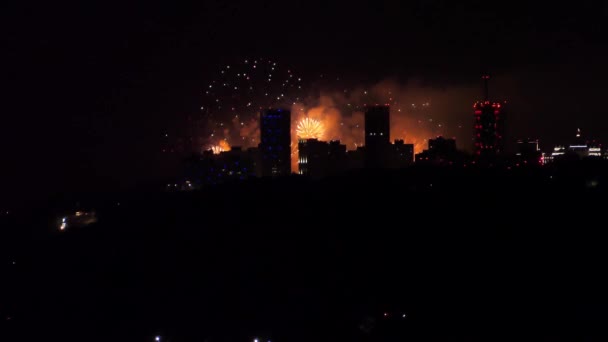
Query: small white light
pixel 157 338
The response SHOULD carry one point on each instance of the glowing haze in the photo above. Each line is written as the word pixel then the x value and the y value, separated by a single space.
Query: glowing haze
pixel 329 112
pixel 222 146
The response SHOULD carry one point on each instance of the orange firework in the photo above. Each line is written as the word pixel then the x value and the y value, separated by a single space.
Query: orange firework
pixel 223 146
pixel 308 128
pixel 217 149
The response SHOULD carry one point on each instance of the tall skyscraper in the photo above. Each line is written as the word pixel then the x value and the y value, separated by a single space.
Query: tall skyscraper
pixel 377 125
pixel 377 135
pixel 275 151
pixel 312 155
pixel 489 127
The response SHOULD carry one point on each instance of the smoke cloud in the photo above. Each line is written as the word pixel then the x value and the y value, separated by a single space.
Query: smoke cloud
pixel 418 113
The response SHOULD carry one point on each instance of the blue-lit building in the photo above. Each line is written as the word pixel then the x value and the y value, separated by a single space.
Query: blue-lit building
pixel 275 151
pixel 210 169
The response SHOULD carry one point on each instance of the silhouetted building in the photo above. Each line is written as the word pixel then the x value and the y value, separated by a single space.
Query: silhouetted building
pixel 253 154
pixel 319 159
pixel 355 159
pixel 209 168
pixel 275 151
pixel 402 154
pixel 377 125
pixel 337 162
pixel 441 151
pixel 377 136
pixel 528 152
pixel 312 157
pixel 237 164
pixel 442 146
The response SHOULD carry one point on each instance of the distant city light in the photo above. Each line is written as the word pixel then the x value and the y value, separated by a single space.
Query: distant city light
pixel 64 224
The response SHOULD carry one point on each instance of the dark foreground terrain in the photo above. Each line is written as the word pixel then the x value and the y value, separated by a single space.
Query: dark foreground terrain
pixel 421 254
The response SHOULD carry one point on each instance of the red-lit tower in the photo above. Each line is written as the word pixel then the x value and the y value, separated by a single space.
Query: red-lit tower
pixel 489 127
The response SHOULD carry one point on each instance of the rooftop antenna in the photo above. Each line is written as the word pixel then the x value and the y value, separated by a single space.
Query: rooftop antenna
pixel 485 79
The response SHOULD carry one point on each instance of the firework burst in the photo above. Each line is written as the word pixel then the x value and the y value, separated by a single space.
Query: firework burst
pixel 223 146
pixel 233 100
pixel 308 128
pixel 217 149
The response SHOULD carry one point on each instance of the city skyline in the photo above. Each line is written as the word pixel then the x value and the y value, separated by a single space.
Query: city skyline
pixel 296 171
pixel 95 88
pixel 277 156
pixel 340 115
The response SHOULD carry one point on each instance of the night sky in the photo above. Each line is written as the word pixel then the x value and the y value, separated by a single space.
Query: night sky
pixel 90 86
